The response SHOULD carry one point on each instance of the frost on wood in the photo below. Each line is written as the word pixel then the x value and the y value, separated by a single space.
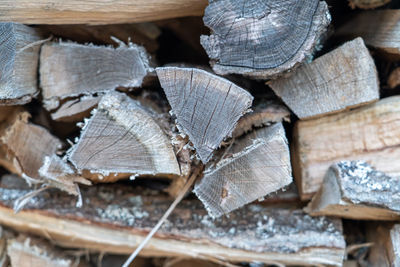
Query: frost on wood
pixel 19 59
pixel 115 219
pixel 207 107
pixel 70 70
pixel 122 139
pixel 369 133
pixel 256 165
pixel 261 38
pixel 342 79
pixel 353 189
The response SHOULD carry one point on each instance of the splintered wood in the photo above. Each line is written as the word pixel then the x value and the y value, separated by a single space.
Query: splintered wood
pixel 370 133
pixel 122 139
pixel 19 59
pixel 256 165
pixel 116 218
pixel 353 189
pixel 342 79
pixel 71 70
pixel 262 39
pixel 207 107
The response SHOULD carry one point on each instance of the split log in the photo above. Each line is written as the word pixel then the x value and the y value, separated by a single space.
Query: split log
pixel 116 218
pixel 379 29
pixel 342 79
pixel 32 252
pixel 70 70
pixel 354 190
pixel 386 239
pixel 367 4
pixel 120 140
pixel 97 12
pixel 256 165
pixel 19 63
pixel 75 110
pixel 207 107
pixel 262 39
pixel 394 78
pixel 370 133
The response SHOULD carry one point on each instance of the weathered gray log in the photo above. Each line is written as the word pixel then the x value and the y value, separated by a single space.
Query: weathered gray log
pixel 370 133
pixel 262 39
pixel 116 218
pixel 342 79
pixel 122 139
pixel 207 107
pixel 386 244
pixel 32 252
pixel 379 29
pixel 367 4
pixel 256 165
pixel 71 70
pixel 353 189
pixel 19 58
pixel 75 110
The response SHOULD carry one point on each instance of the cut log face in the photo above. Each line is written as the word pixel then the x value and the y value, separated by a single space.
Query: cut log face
pixel 379 29
pixel 370 133
pixel 342 79
pixel 32 252
pixel 123 139
pixel 19 59
pixel 262 39
pixel 116 218
pixel 353 189
pixel 70 70
pixel 207 107
pixel 259 164
pixel 76 109
pixel 386 248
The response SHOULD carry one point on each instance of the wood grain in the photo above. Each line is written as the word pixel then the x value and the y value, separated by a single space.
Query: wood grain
pixel 98 11
pixel 341 79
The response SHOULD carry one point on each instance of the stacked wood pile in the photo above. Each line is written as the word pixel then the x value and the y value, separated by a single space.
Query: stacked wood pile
pixel 277 122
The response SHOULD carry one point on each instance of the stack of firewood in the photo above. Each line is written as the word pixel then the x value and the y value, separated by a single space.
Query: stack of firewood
pixel 282 117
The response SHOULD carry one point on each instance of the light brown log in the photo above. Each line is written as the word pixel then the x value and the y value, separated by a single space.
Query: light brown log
pixel 116 218
pixel 254 166
pixel 394 78
pixel 386 249
pixel 370 133
pixel 354 190
pixel 379 29
pixel 19 61
pixel 97 12
pixel 367 4
pixel 341 79
pixel 3 249
pixel 75 110
pixel 71 70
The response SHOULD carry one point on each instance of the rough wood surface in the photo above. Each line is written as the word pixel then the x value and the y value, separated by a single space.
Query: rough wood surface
pixel 341 79
pixel 116 218
pixel 122 139
pixel 262 39
pixel 98 11
pixel 386 249
pixel 71 70
pixel 75 110
pixel 379 29
pixel 255 165
pixel 32 252
pixel 367 4
pixel 354 190
pixel 370 133
pixel 207 107
pixel 19 59
pixel 394 78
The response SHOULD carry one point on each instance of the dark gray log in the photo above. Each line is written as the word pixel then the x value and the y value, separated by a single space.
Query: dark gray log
pixel 207 107
pixel 261 38
pixel 256 165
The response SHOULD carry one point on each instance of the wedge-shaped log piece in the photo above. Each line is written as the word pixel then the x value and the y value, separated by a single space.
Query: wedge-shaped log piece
pixel 19 58
pixel 76 109
pixel 116 218
pixel 353 189
pixel 262 39
pixel 379 29
pixel 257 165
pixel 386 244
pixel 69 70
pixel 367 4
pixel 370 133
pixel 342 79
pixel 207 107
pixel 122 139
pixel 32 252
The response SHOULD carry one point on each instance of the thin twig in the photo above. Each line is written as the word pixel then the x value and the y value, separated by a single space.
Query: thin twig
pixel 35 44
pixel 163 218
